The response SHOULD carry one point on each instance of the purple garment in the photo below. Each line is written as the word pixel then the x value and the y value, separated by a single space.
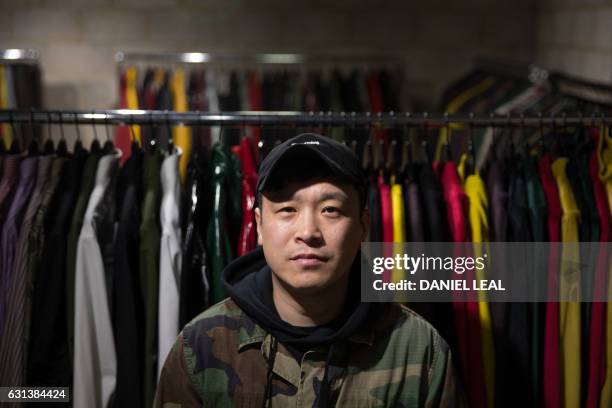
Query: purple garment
pixel 10 229
pixel 10 175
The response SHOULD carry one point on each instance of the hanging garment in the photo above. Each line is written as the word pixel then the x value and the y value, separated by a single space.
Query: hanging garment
pixel 149 253
pixel 13 351
pixel 569 312
pixel 537 215
pixel 413 207
pixel 455 105
pixel 465 311
pixel 247 240
pixel 517 104
pixel 551 395
pixel 10 230
pixel 195 279
pixel 95 363
pixel 375 233
pixel 518 326
pixel 437 229
pixel 170 260
pixel 599 353
pixel 478 207
pixel 128 100
pixel 8 183
pixel 88 179
pixel 218 243
pixel 399 224
pixel 5 129
pixel 386 209
pixel 181 134
pixel 604 157
pixel 49 361
pixel 128 316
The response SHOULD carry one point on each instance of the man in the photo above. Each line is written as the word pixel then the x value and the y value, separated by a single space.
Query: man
pixel 293 331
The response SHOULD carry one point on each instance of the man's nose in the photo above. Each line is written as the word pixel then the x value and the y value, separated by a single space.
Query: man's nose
pixel 308 229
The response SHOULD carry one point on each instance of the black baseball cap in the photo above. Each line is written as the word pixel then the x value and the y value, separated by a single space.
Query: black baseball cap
pixel 341 160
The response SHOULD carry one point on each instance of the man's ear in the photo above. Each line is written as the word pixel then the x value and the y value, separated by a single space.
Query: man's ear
pixel 365 224
pixel 258 222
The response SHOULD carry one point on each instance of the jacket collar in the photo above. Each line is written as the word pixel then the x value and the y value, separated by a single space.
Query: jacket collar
pixel 251 333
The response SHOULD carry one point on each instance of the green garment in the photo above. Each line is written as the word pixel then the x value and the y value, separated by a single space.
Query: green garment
pixel 150 236
pixel 226 215
pixel 220 360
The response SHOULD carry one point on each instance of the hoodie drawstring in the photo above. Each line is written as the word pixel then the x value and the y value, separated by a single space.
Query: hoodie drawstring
pixel 267 401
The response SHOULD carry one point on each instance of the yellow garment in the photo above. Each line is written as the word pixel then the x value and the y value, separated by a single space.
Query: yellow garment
pixel 606 392
pixel 604 156
pixel 478 204
pixel 181 134
pixel 455 105
pixel 132 97
pixel 7 133
pixel 569 312
pixel 397 206
pixel 461 167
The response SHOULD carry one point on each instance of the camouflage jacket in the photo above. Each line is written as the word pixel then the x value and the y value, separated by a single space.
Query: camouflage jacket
pixel 220 360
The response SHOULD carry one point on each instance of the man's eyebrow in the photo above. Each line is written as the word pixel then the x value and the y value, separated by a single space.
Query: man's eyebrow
pixel 333 195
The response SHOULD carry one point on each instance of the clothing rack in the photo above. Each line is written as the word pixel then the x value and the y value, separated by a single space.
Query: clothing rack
pixel 288 118
pixel 21 56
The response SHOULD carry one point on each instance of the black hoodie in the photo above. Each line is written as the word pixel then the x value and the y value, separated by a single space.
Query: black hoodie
pixel 248 281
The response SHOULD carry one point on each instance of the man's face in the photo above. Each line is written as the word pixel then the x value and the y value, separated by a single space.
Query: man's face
pixel 310 232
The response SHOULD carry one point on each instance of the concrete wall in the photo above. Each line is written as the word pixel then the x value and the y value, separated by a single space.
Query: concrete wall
pixel 436 39
pixel 575 36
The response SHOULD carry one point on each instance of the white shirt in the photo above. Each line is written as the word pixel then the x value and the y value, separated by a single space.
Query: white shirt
pixel 169 258
pixel 95 360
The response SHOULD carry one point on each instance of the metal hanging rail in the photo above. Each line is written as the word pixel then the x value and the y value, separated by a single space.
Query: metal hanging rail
pixel 288 118
pixel 123 57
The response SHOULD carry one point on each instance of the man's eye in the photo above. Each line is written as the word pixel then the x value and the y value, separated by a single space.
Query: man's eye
pixel 331 210
pixel 287 209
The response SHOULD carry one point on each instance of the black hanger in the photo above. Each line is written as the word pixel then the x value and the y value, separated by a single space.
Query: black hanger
pixel 95 144
pixel 406 156
pixel 61 150
pixel 33 149
pixel 135 146
pixel 391 152
pixel 471 161
pixel 108 145
pixel 15 147
pixel 170 147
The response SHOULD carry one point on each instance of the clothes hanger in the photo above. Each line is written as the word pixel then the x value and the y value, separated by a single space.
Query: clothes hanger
pixel 62 149
pixel 95 144
pixel 78 144
pixel 33 149
pixel 170 147
pixel 48 147
pixel 109 146
pixel 135 145
pixel 391 152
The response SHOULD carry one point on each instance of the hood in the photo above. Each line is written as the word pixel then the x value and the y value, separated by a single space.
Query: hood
pixel 248 281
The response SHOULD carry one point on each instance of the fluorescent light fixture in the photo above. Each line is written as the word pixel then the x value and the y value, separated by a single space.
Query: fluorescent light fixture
pixel 13 54
pixel 94 116
pixel 195 57
pixel 131 111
